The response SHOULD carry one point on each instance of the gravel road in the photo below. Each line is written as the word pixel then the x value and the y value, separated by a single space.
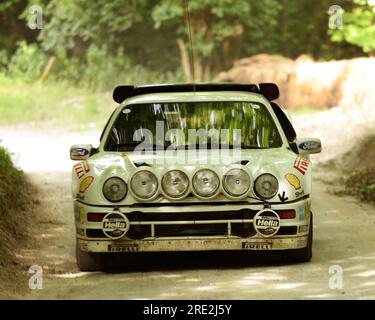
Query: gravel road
pixel 344 241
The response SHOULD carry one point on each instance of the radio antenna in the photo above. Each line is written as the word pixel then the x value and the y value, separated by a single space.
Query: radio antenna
pixel 187 21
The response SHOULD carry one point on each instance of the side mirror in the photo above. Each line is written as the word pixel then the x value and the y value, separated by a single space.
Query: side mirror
pixel 80 151
pixel 309 145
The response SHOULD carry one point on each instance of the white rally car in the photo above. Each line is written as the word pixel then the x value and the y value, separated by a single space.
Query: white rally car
pixel 190 167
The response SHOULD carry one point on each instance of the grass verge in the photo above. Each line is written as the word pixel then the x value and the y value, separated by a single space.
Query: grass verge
pixel 358 171
pixel 15 202
pixel 53 105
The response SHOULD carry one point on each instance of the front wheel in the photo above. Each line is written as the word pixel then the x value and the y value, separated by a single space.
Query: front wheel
pixel 89 261
pixel 304 254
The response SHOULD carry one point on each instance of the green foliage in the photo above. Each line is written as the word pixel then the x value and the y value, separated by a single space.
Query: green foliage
pixel 361 183
pixel 102 73
pixel 98 43
pixel 217 26
pixel 27 62
pixel 359 26
pixel 15 218
pixel 76 24
pixel 13 28
pixel 11 180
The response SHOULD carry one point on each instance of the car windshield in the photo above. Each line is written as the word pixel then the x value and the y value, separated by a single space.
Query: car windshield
pixel 181 125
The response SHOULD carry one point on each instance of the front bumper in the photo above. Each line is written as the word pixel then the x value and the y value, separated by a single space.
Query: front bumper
pixel 227 241
pixel 191 244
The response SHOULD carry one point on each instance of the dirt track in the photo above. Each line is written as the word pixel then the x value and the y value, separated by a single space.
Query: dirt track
pixel 343 236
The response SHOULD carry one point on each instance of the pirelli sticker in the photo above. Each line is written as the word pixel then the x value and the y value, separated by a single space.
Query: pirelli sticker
pixel 123 247
pixel 257 245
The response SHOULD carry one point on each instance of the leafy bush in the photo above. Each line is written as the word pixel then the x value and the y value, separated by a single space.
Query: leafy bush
pixel 11 183
pixel 100 70
pixel 103 71
pixel 16 204
pixel 27 62
pixel 361 183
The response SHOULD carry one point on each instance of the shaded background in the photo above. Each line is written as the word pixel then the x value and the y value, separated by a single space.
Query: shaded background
pixel 69 54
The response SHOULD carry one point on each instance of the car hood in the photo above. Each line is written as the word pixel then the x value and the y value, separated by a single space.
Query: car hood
pixel 293 183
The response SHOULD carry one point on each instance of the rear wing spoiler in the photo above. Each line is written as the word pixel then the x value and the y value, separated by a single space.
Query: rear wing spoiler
pixel 268 90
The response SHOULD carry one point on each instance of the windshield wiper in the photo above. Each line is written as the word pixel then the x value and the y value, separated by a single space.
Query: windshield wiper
pixel 132 146
pixel 214 146
pixel 157 147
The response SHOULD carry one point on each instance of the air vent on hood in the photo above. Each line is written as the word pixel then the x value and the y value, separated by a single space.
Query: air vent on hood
pixel 142 164
pixel 243 162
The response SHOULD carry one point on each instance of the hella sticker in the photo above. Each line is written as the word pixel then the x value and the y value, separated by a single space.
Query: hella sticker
pixel 115 225
pixel 266 222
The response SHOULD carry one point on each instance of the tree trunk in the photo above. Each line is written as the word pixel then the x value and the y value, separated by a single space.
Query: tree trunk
pixel 48 68
pixel 198 69
pixel 207 72
pixel 185 61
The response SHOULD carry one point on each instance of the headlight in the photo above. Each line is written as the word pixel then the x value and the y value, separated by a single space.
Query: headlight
pixel 144 184
pixel 115 189
pixel 236 182
pixel 175 183
pixel 206 182
pixel 266 186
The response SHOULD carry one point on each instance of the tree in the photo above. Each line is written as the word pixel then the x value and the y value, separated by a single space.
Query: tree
pixel 358 26
pixel 75 26
pixel 13 28
pixel 218 29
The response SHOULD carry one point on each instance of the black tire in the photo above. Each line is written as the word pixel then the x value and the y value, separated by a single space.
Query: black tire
pixel 89 261
pixel 304 254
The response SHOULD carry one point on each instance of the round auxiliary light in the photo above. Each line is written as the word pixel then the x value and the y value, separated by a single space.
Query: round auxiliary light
pixel 266 186
pixel 206 182
pixel 236 182
pixel 175 183
pixel 144 184
pixel 115 189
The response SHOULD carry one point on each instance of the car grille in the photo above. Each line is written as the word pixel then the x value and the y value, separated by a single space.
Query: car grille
pixel 186 216
pixel 184 224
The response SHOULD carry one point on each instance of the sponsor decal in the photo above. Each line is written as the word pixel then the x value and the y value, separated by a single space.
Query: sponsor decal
pixel 300 193
pixel 309 145
pixel 282 197
pixel 82 215
pixel 131 247
pixel 79 152
pixel 81 169
pixel 257 245
pixel 301 165
pixel 115 225
pixel 293 180
pixel 266 222
pixel 85 183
